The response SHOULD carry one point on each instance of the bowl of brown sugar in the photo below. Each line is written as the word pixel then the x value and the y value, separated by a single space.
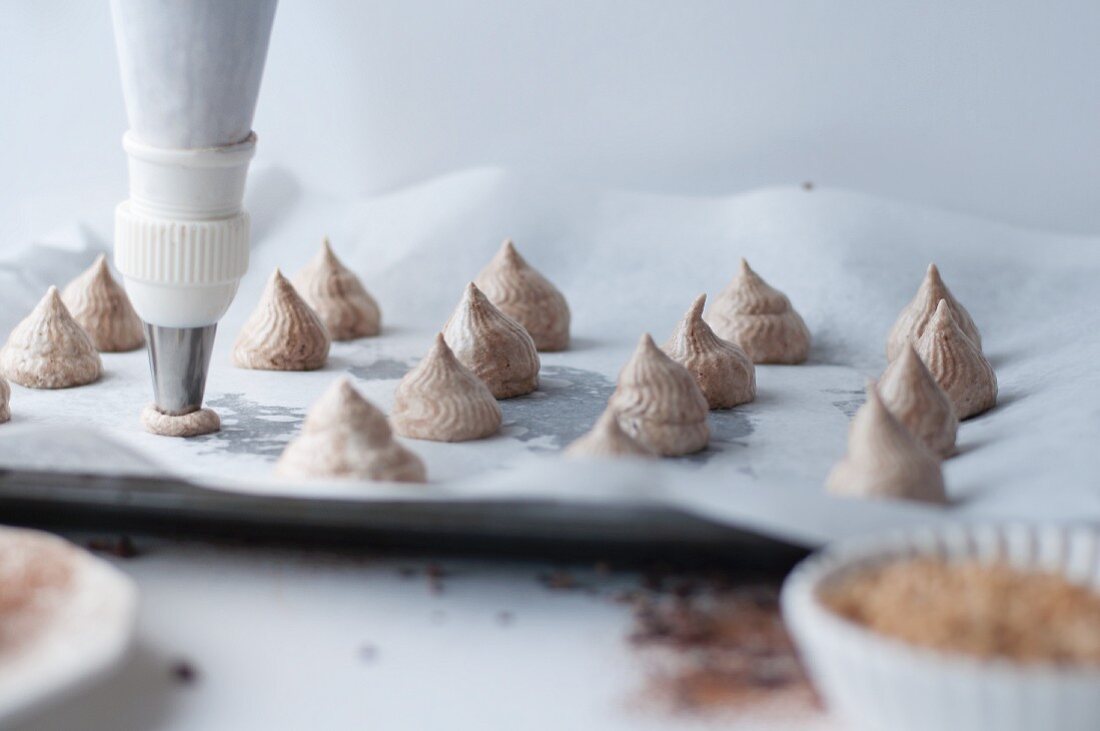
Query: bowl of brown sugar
pixel 959 627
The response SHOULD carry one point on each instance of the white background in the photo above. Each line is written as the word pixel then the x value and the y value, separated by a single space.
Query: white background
pixel 991 107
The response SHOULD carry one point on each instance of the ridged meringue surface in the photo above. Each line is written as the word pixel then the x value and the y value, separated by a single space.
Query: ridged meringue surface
pixel 346 437
pixel 608 440
pixel 494 346
pixel 521 292
pixel 760 319
pixel 283 333
pixel 918 313
pixel 885 460
pixel 101 306
pixel 49 349
pixel 957 364
pixel 193 424
pixel 724 371
pixel 338 297
pixel 442 400
pixel 917 401
pixel 5 401
pixel 658 403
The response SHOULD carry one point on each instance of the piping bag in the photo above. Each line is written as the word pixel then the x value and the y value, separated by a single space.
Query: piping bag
pixel 191 74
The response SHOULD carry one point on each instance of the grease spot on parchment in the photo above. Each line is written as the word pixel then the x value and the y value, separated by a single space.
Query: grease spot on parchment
pixel 567 404
pixel 848 406
pixel 383 369
pixel 249 427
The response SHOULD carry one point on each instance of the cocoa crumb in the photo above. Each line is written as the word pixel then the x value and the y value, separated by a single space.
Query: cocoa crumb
pixel 120 547
pixel 808 185
pixel 505 618
pixel 184 672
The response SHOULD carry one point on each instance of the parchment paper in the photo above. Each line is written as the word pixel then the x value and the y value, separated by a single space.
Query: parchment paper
pixel 628 263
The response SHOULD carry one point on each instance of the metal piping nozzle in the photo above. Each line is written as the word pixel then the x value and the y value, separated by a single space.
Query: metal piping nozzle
pixel 179 358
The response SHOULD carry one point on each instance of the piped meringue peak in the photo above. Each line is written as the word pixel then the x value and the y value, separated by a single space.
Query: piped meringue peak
pixel 608 440
pixel 917 401
pixel 346 437
pixel 442 400
pixel 283 333
pixel 49 349
pixel 494 346
pixel 957 364
pixel 724 371
pixel 521 292
pixel 192 424
pixel 884 459
pixel 759 319
pixel 101 306
pixel 658 403
pixel 918 313
pixel 338 297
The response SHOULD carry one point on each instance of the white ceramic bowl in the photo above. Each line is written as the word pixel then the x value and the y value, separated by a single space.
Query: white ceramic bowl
pixel 876 682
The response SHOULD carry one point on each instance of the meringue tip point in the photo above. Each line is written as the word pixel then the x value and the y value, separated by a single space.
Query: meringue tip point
pixel 744 266
pixel 695 312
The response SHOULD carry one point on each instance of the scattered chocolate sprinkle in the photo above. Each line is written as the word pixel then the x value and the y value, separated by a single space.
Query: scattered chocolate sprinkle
pixel 559 581
pixel 184 672
pixel 435 574
pixel 808 185
pixel 717 646
pixel 120 547
pixel 505 618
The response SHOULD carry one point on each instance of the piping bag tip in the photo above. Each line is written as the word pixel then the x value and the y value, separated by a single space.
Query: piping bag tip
pixel 179 358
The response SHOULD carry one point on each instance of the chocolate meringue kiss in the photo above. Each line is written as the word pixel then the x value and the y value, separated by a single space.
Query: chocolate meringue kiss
pixel 724 371
pixel 759 319
pixel 521 292
pixel 885 460
pixel 283 333
pixel 346 437
pixel 658 403
pixel 608 440
pixel 192 424
pixel 918 313
pixel 101 306
pixel 338 297
pixel 917 401
pixel 957 364
pixel 49 349
pixel 494 346
pixel 442 400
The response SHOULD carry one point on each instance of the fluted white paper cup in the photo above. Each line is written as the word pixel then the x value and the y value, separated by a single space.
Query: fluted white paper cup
pixel 877 682
pixel 191 69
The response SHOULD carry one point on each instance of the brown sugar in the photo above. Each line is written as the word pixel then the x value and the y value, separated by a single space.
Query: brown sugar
pixel 984 610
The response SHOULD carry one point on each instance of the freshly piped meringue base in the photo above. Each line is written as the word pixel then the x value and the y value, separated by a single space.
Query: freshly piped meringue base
pixel 442 400
pixel 759 318
pixel 521 292
pixel 49 349
pixel 724 371
pixel 957 364
pixel 346 437
pixel 196 423
pixel 658 403
pixel 283 333
pixel 5 401
pixel 885 460
pixel 338 297
pixel 492 345
pixel 607 440
pixel 918 313
pixel 101 306
pixel 917 401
